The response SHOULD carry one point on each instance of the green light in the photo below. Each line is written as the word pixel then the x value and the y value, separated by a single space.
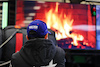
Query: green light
pixel 94 13
pixel 4 14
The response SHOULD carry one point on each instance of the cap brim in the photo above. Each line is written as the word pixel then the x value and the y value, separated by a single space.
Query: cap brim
pixel 49 32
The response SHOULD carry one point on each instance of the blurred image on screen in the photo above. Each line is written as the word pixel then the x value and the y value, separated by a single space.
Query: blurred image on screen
pixel 73 24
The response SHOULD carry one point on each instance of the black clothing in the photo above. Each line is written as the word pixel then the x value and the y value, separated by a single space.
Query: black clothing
pixel 38 52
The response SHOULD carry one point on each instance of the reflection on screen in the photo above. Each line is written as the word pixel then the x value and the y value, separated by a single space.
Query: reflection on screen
pixel 98 27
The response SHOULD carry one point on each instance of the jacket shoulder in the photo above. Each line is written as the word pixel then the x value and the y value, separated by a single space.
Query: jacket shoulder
pixel 59 57
pixel 60 51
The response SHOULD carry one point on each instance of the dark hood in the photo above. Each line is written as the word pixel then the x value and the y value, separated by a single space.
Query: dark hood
pixel 38 51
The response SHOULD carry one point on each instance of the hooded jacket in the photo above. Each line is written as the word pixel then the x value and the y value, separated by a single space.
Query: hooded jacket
pixel 39 52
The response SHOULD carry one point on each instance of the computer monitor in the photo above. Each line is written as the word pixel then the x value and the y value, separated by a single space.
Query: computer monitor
pixel 73 24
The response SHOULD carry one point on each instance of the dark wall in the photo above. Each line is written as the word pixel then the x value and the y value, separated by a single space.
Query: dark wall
pixel 11 12
pixel 76 1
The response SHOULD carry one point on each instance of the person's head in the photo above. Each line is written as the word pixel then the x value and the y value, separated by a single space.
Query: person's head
pixel 37 29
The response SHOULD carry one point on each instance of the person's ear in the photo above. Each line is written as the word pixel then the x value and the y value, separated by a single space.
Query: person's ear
pixel 27 37
pixel 46 36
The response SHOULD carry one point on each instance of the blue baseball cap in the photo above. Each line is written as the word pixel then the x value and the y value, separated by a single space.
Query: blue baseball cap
pixel 39 27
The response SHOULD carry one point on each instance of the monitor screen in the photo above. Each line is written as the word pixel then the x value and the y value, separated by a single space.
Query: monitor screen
pixel 73 24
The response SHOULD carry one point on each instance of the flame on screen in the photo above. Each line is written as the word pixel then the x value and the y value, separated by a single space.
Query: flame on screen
pixel 62 25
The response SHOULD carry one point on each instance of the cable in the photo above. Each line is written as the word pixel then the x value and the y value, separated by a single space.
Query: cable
pixel 5 63
pixel 9 38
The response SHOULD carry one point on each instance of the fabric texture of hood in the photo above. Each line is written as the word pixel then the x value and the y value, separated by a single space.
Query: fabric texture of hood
pixel 38 51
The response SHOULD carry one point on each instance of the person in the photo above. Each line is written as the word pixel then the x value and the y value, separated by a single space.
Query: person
pixel 38 51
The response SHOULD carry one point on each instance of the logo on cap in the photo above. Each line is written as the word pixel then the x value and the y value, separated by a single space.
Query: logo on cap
pixel 33 27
